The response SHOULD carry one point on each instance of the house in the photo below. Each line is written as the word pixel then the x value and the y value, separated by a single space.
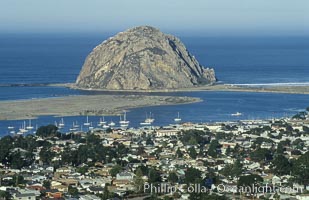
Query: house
pixel 125 176
pixel 166 132
pixel 95 190
pixel 276 180
pixel 53 193
pixel 302 196
pixel 254 166
pixel 89 197
pixel 24 196
pixel 38 178
pixel 266 145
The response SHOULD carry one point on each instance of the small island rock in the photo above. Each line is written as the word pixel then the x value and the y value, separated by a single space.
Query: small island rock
pixel 142 58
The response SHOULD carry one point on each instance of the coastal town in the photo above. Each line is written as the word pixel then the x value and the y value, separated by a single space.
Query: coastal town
pixel 154 100
pixel 245 159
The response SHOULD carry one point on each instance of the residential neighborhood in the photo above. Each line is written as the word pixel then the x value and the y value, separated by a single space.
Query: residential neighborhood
pixel 246 159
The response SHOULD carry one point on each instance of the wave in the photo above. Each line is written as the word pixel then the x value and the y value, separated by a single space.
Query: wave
pixel 273 84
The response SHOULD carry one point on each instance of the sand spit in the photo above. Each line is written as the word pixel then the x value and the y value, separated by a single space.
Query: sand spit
pixel 83 105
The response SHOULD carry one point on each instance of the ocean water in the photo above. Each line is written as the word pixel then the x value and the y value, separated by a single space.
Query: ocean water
pixel 43 59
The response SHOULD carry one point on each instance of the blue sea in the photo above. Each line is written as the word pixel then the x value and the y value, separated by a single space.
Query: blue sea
pixel 46 58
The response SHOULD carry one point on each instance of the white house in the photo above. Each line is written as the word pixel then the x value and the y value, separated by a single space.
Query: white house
pixel 125 176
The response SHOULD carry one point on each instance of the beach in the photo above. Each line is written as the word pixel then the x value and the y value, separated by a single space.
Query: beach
pixel 83 105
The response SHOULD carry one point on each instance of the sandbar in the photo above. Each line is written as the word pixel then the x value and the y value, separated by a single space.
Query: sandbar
pixel 84 105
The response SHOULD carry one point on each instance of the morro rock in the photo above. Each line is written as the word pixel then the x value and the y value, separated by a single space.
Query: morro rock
pixel 142 58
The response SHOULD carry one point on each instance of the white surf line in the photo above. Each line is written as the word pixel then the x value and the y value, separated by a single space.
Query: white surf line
pixel 272 84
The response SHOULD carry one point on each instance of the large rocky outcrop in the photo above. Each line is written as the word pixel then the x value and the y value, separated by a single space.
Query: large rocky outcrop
pixel 142 58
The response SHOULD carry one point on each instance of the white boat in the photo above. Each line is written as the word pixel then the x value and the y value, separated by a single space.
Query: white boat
pixel 29 127
pixel 124 125
pixel 75 125
pixel 12 132
pixel 111 124
pixel 236 114
pixel 91 127
pixel 23 129
pixel 10 127
pixel 178 119
pixel 124 122
pixel 87 122
pixel 145 123
pixel 36 128
pixel 72 129
pixel 102 121
pixel 148 121
pixel 61 123
pixel 105 126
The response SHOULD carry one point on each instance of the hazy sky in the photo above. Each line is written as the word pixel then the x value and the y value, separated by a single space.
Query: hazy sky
pixel 288 17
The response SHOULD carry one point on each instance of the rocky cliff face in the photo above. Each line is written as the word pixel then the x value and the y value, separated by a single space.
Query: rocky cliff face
pixel 142 58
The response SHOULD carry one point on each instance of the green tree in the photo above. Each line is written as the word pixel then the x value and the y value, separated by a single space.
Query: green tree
pixel 6 144
pixel 154 176
pixel 192 175
pixel 192 141
pixel 277 196
pixel 46 184
pixel 144 170
pixel 46 155
pixel 16 160
pixel 281 165
pixel 193 137
pixel 179 154
pixel 236 150
pixel 72 191
pixel 115 170
pixel 48 131
pixel 280 148
pixel 300 169
pixel 83 153
pixel 192 152
pixel 121 150
pixel 106 194
pixel 138 181
pixel 261 154
pixel 93 139
pixel 149 141
pixel 233 170
pixel 249 180
pixel 228 151
pixel 82 170
pixel 212 151
pixel 298 143
pixel 4 195
pixel 18 180
pixel 172 177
